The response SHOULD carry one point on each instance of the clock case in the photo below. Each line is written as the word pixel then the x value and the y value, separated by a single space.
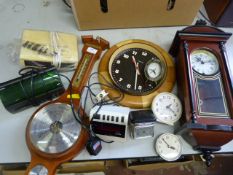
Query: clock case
pixel 141 124
pixel 205 133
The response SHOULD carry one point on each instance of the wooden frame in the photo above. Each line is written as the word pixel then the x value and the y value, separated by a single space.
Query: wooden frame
pixel 133 101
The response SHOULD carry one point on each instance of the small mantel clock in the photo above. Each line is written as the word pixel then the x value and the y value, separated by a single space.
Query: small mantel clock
pixel 205 87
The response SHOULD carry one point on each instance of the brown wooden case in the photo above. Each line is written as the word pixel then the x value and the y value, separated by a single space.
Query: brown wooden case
pixel 52 160
pixel 205 132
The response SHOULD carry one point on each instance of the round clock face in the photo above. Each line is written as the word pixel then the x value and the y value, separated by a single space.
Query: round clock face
pixel 204 62
pixel 127 71
pixel 166 108
pixel 154 70
pixel 168 146
pixel 139 70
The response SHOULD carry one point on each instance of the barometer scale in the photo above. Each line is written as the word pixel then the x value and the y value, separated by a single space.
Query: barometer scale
pixel 53 135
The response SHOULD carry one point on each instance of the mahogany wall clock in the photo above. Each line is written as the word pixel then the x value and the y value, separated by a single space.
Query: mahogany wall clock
pixel 138 68
pixel 53 135
pixel 204 87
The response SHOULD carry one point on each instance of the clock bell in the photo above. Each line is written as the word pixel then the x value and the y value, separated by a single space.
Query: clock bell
pixel 205 88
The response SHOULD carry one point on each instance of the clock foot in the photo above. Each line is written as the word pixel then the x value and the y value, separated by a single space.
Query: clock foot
pixel 207 153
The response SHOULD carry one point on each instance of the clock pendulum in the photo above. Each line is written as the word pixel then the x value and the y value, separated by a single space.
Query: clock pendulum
pixel 205 87
pixel 138 68
pixel 53 135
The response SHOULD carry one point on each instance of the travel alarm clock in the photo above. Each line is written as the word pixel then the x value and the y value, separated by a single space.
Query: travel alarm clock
pixel 142 124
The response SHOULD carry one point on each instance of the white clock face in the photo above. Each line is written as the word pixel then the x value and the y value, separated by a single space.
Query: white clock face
pixel 166 108
pixel 204 62
pixel 168 146
pixel 154 70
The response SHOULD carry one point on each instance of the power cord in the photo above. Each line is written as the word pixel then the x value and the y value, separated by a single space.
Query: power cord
pixel 66 3
pixel 89 92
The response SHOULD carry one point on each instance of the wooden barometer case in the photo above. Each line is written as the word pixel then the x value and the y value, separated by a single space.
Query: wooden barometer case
pixel 205 87
pixel 53 135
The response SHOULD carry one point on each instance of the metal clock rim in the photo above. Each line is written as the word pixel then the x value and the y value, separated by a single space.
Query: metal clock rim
pixel 180 113
pixel 179 141
pixel 163 69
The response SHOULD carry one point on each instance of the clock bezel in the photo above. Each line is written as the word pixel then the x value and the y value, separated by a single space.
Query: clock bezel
pixel 161 155
pixel 133 101
pixel 211 52
pixel 158 117
pixel 162 73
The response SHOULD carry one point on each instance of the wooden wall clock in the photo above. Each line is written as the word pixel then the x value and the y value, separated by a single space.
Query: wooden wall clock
pixel 138 68
pixel 204 87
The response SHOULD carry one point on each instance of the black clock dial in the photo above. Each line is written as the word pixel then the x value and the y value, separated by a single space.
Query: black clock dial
pixel 127 71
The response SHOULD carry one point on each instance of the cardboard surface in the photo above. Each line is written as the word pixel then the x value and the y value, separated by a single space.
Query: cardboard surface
pixel 134 13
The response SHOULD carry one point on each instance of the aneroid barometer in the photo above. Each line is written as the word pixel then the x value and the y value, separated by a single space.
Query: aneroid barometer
pixel 204 87
pixel 138 68
pixel 53 134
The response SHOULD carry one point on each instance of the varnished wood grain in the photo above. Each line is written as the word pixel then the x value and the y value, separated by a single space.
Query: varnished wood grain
pixel 132 101
pixel 52 161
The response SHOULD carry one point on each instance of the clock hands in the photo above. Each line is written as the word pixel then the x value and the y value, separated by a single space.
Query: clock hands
pixel 169 146
pixel 136 79
pixel 136 65
pixel 169 107
pixel 153 71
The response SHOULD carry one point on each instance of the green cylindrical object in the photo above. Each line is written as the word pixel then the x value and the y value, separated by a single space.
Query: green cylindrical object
pixel 31 89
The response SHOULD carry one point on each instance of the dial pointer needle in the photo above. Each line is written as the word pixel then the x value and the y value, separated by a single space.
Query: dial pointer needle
pixel 172 147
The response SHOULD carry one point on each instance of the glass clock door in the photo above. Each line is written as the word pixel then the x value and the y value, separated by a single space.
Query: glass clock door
pixel 209 91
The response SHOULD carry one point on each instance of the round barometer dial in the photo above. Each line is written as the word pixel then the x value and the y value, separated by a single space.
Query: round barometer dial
pixel 204 62
pixel 54 128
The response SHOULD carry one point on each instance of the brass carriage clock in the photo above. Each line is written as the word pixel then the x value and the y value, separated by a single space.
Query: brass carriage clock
pixel 205 88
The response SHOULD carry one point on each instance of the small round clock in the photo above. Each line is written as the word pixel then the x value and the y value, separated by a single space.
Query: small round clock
pixel 168 146
pixel 138 68
pixel 167 108
pixel 204 62
pixel 154 70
